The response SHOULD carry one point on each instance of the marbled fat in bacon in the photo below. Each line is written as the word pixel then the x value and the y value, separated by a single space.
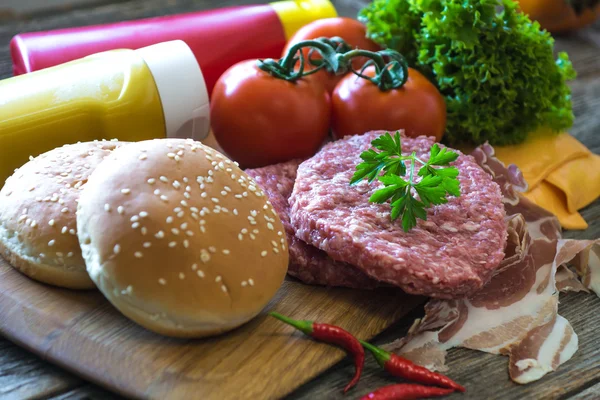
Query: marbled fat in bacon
pixel 516 313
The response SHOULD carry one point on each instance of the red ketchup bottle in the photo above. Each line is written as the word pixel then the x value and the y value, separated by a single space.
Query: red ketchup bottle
pixel 218 38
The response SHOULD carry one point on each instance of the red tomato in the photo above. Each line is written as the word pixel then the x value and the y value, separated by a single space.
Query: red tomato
pixel 259 120
pixel 359 106
pixel 352 31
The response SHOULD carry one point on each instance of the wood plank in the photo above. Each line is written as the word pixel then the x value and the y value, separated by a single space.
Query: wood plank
pixel 23 375
pixel 82 332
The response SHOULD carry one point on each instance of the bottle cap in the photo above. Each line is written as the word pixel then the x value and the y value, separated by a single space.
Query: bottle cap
pixel 294 14
pixel 181 88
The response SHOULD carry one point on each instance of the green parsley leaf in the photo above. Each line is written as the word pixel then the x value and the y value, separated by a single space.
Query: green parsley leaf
pixel 436 184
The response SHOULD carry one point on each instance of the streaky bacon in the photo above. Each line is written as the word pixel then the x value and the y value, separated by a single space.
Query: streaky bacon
pixel 516 313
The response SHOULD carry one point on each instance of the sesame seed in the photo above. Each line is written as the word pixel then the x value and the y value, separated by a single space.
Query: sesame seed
pixel 270 226
pixel 169 220
pixel 212 249
pixel 157 191
pixel 194 267
pixel 144 230
pixel 64 230
pixel 245 194
pixel 223 193
pixel 184 203
pixel 274 243
pixel 240 237
pixel 189 233
pixel 143 156
pixel 164 179
pixel 275 250
pixel 51 243
pixel 187 195
pixel 120 209
pixel 210 179
pixel 138 254
pixel 186 243
pixel 244 283
pixel 219 278
pixel 238 196
pixel 143 214
pixel 194 209
pixel 227 188
pixel 33 224
pixel 59 254
pixel 184 225
pixel 172 244
pixel 224 288
pixel 180 214
pixel 175 231
pixel 125 191
pixel 202 229
pixel 235 211
pixel 70 254
pixel 171 155
pixel 72 231
pixel 176 184
pixel 204 256
pixel 160 235
pixel 22 218
pixel 64 210
pixel 134 218
pixel 226 252
pixel 151 181
pixel 188 189
pixel 252 236
pixel 263 253
pixel 181 275
pixel 147 244
pixel 107 207
pixel 253 213
pixel 164 198
pixel 195 216
pixel 203 195
pixel 135 225
pixel 162 281
pixel 200 273
pixel 251 282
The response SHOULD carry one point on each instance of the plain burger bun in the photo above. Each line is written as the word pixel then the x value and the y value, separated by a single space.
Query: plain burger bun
pixel 180 239
pixel 38 232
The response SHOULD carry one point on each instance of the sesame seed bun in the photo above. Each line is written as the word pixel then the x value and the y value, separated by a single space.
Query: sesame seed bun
pixel 38 232
pixel 180 239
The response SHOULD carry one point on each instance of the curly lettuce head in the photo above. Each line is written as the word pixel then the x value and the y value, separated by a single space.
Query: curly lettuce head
pixel 495 68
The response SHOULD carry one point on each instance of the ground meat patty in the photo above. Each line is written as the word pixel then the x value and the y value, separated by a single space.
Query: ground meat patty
pixel 450 255
pixel 307 263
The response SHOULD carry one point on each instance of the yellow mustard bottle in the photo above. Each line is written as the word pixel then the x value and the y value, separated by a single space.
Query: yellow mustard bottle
pixel 153 92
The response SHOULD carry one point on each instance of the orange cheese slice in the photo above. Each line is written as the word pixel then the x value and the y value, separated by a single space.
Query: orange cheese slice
pixel 541 153
pixel 552 199
pixel 579 179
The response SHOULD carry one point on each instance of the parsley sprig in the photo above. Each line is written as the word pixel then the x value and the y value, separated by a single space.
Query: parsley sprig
pixel 432 189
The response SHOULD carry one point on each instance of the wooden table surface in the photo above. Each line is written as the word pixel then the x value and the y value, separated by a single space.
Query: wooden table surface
pixel 23 375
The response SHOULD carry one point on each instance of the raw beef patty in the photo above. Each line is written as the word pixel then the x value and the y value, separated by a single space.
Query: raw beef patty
pixel 450 255
pixel 307 263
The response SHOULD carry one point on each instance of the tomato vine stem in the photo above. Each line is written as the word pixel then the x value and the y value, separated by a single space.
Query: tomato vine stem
pixel 336 57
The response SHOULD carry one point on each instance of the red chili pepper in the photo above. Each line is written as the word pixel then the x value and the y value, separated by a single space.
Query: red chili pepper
pixel 406 391
pixel 400 366
pixel 334 335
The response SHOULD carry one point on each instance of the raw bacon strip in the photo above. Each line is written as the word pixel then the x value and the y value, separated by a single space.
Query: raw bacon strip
pixel 307 263
pixel 516 313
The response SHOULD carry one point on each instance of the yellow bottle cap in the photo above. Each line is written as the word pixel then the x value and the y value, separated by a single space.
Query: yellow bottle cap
pixel 294 14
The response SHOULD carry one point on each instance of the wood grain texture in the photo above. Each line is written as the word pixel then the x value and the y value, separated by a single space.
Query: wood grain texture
pixel 82 332
pixel 24 375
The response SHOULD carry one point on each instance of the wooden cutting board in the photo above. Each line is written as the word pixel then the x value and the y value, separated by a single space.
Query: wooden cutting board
pixel 263 359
